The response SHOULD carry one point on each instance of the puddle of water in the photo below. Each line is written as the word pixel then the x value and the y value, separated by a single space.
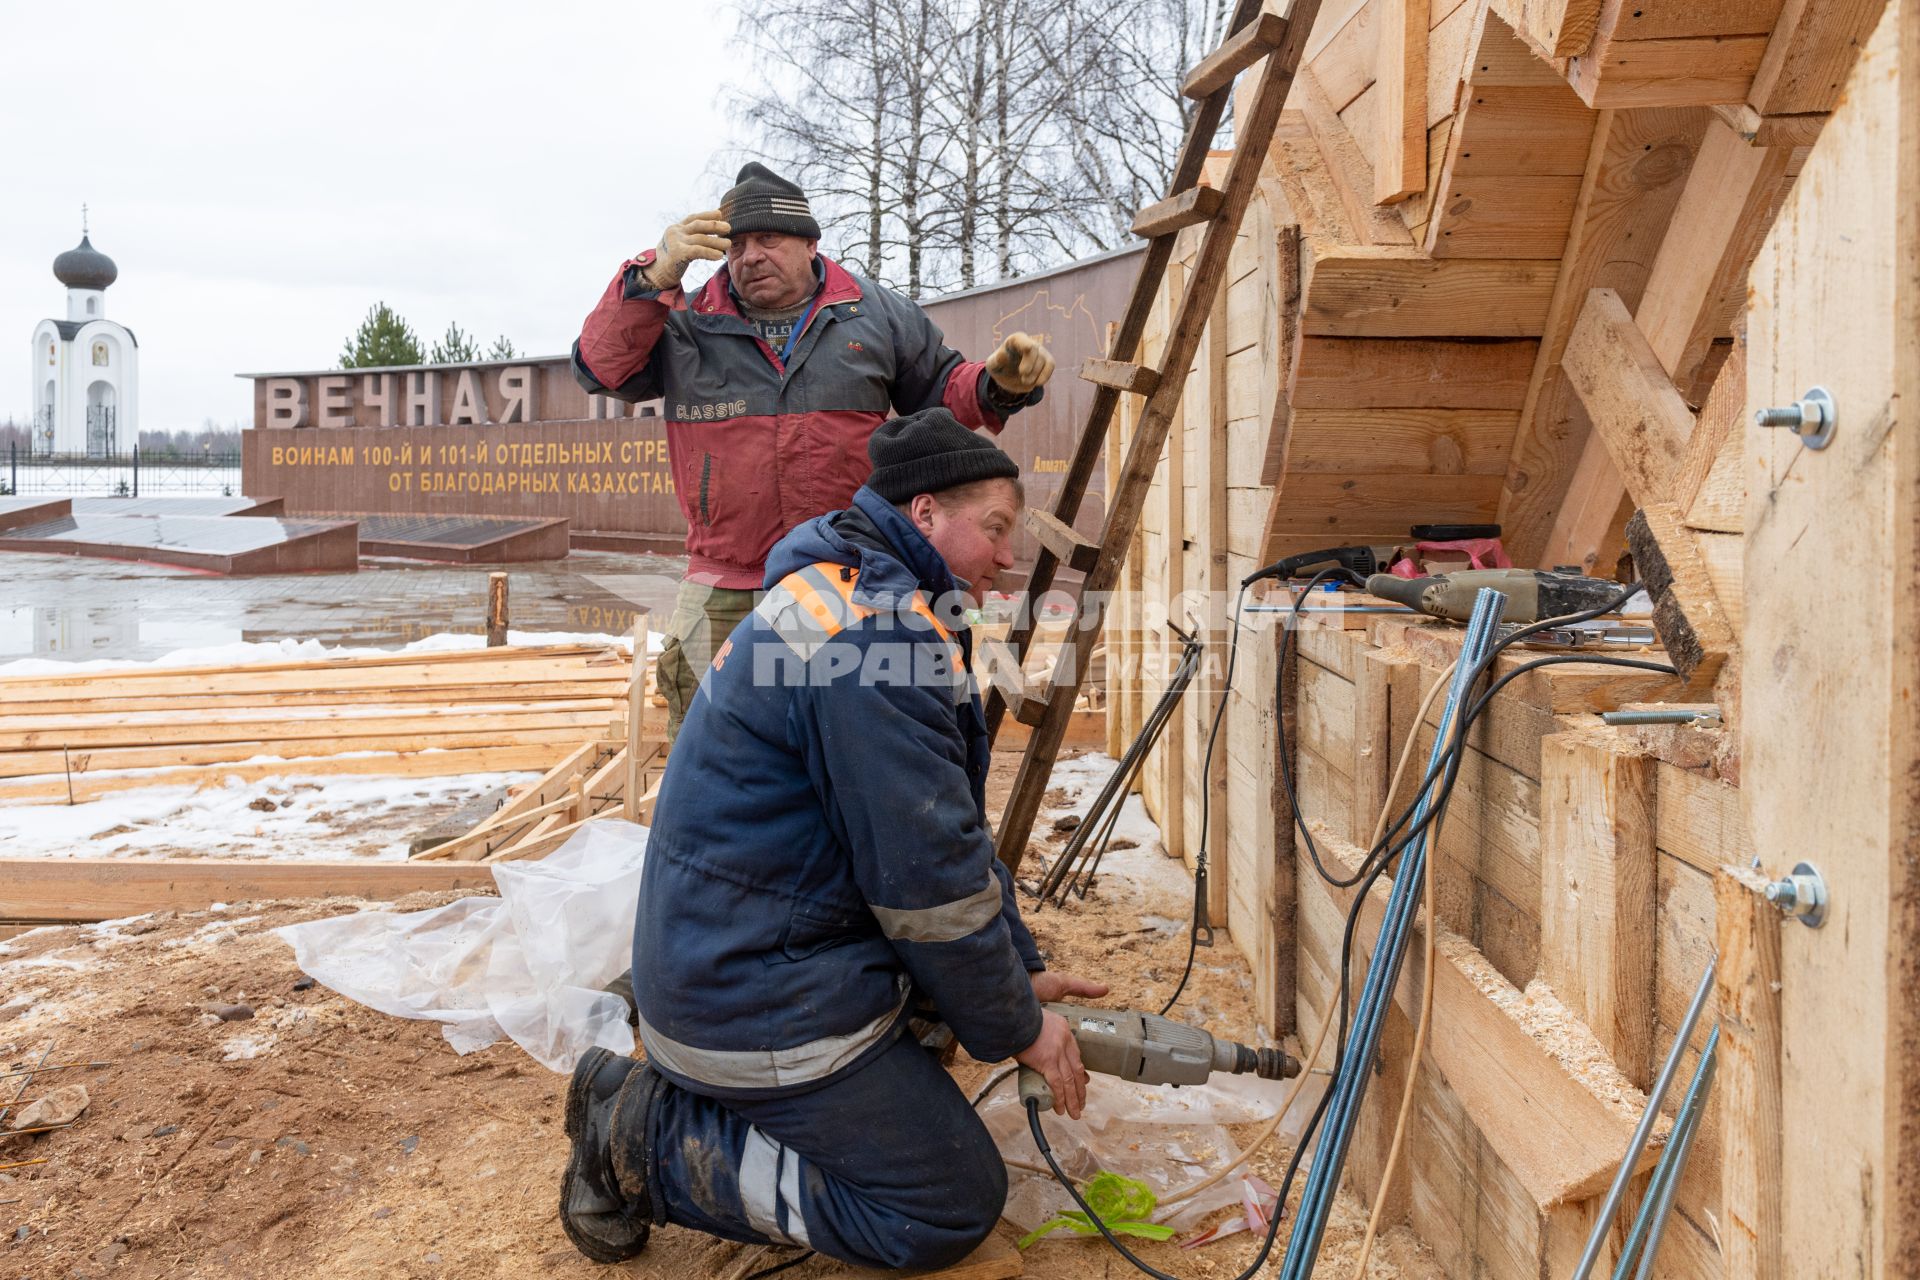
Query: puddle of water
pixel 76 609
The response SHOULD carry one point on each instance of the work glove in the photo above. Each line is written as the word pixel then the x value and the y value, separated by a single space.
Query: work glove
pixel 1020 364
pixel 698 237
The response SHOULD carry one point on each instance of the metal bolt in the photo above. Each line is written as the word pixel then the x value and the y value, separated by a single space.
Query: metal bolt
pixel 1812 417
pixel 1801 895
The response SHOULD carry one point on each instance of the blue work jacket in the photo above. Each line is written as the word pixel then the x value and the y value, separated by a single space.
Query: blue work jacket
pixel 820 857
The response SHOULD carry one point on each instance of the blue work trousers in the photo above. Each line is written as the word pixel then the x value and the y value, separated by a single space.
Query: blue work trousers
pixel 889 1167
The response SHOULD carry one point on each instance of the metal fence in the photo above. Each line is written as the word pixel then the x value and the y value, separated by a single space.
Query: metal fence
pixel 128 474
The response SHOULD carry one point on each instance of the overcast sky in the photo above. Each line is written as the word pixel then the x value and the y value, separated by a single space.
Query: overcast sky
pixel 262 174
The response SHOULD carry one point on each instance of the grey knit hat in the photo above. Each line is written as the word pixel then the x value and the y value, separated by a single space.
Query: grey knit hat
pixel 929 451
pixel 762 200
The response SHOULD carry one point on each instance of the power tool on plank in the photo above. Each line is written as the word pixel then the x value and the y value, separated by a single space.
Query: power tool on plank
pixel 1532 594
pixel 1149 1049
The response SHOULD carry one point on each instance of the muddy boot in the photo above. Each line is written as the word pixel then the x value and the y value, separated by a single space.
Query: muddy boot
pixel 606 1222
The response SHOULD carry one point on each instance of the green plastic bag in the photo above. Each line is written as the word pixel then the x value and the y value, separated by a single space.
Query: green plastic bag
pixel 1123 1204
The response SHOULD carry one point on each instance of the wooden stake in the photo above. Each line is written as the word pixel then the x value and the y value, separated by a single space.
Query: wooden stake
pixel 496 610
pixel 1748 991
pixel 636 715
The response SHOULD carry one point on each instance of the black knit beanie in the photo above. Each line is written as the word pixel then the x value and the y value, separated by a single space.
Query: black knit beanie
pixel 762 200
pixel 929 451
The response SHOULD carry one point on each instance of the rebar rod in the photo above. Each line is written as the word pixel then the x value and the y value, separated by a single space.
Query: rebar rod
pixel 1383 971
pixel 1651 1223
pixel 1644 1130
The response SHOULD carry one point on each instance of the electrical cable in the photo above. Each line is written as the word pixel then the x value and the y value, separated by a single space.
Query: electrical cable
pixel 1201 924
pixel 1105 811
pixel 778 1267
pixel 1443 770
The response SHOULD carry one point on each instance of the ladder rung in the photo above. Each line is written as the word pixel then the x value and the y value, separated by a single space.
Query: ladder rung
pixel 1121 376
pixel 1242 49
pixel 1196 204
pixel 995 659
pixel 1066 542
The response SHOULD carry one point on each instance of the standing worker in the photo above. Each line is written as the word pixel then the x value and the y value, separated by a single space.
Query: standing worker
pixel 774 374
pixel 820 865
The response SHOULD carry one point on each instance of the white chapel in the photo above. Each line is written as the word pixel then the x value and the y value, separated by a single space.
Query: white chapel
pixel 86 368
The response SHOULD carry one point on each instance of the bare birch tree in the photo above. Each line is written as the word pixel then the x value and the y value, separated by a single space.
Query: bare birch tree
pixel 947 143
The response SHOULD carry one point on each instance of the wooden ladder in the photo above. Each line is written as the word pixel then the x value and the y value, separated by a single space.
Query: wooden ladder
pixel 1255 33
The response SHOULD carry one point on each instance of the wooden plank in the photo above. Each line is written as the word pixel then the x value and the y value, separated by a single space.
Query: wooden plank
pixel 1680 72
pixel 1523 130
pixel 1686 610
pixel 112 677
pixel 1810 53
pixel 370 679
pixel 1502 216
pixel 419 764
pixel 1368 373
pixel 1628 20
pixel 1071 547
pixel 1747 983
pixel 1720 428
pixel 548 788
pixel 1834 302
pixel 28 763
pixel 1349 170
pixel 1635 172
pixel 1400 119
pixel 81 889
pixel 1133 379
pixel 1346 64
pixel 1194 205
pixel 1698 283
pixel 37 741
pixel 1555 28
pixel 1635 412
pixel 1345 507
pixel 1389 291
pixel 598 690
pixel 1699 819
pixel 1557 1139
pixel 1801 130
pixel 1597 891
pixel 1441 442
pixel 1238 52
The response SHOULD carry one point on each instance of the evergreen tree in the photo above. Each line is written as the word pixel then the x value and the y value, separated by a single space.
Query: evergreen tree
pixel 383 339
pixel 501 349
pixel 455 348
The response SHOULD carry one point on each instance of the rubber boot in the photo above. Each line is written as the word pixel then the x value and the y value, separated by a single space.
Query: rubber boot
pixel 606 1221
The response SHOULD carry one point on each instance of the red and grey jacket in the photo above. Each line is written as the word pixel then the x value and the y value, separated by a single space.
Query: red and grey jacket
pixel 757 447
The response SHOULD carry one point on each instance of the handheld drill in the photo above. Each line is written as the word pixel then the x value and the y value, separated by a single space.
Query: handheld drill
pixel 1149 1049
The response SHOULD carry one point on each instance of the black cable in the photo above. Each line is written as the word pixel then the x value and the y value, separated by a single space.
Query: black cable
pixel 1046 1153
pixel 1444 771
pixel 777 1268
pixel 1200 920
pixel 1062 874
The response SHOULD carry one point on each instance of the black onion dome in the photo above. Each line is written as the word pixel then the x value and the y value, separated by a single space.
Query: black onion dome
pixel 85 267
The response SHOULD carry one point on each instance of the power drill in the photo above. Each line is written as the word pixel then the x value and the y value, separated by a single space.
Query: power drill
pixel 1532 594
pixel 1149 1049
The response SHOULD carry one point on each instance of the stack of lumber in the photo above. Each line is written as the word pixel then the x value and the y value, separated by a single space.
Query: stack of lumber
pixel 76 737
pixel 589 782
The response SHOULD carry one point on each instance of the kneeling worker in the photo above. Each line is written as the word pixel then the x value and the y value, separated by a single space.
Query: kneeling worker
pixel 821 864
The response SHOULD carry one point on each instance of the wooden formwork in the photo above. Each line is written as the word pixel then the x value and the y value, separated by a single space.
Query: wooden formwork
pixel 1637 226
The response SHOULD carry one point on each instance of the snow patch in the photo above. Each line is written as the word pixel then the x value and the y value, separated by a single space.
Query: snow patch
pixel 311 817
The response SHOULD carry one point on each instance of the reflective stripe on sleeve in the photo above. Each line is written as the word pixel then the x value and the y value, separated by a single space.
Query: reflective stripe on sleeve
pixel 945 923
pixel 769 1068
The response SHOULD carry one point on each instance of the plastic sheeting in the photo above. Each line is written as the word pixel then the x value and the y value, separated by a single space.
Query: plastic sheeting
pixel 1167 1138
pixel 527 965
